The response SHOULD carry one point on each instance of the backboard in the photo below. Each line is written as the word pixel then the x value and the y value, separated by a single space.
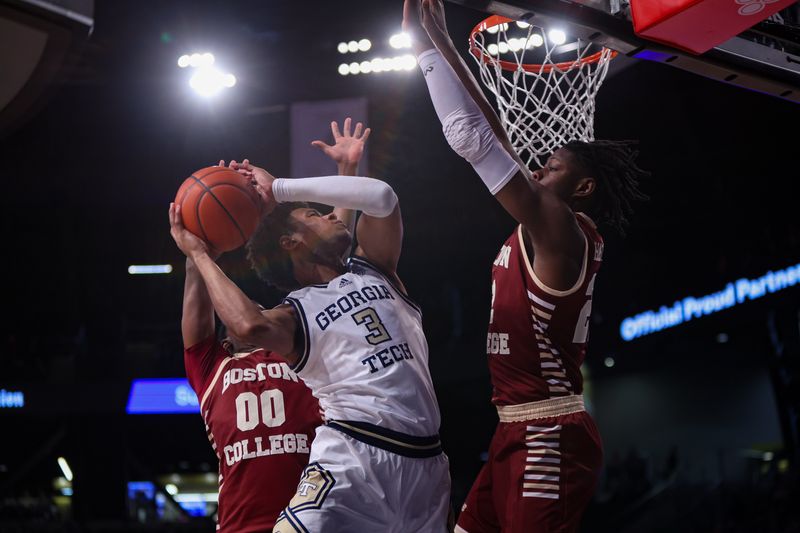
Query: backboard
pixel 764 58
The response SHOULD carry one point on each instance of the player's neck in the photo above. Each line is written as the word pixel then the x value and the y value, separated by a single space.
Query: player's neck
pixel 314 273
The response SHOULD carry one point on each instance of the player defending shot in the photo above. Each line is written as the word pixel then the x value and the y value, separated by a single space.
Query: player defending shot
pixel 353 335
pixel 546 454
pixel 260 417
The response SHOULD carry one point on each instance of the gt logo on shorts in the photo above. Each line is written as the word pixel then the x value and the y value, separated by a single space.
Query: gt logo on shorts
pixel 312 490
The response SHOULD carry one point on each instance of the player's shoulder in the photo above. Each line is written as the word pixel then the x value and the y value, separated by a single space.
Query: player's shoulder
pixel 363 267
pixel 306 292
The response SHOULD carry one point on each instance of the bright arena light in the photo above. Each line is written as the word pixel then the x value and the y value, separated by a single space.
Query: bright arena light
pixel 503 47
pixel 400 40
pixel 493 49
pixel 557 37
pixel 342 48
pixel 522 25
pixel 67 471
pixel 536 40
pixel 149 269
pixel 364 45
pixel 208 81
pixel 196 60
pixel 493 29
pixel 171 488
pixel 352 46
pixel 379 64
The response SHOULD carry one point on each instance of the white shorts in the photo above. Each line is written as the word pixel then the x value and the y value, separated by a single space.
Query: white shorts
pixel 350 486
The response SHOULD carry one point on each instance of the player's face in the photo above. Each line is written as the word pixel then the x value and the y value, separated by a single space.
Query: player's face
pixel 559 174
pixel 324 235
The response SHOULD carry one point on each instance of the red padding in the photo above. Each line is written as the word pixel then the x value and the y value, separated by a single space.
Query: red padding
pixel 699 25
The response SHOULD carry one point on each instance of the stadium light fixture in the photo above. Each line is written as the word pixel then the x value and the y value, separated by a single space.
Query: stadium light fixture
pixel 209 81
pixel 149 269
pixel 65 468
pixel 557 37
pixel 400 40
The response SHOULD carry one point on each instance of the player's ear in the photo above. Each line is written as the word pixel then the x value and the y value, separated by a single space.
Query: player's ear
pixel 288 242
pixel 585 187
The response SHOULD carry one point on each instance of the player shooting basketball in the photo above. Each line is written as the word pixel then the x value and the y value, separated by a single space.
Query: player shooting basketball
pixel 546 454
pixel 260 418
pixel 353 335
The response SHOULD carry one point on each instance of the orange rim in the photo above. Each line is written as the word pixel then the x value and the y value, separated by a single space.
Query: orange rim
pixel 496 20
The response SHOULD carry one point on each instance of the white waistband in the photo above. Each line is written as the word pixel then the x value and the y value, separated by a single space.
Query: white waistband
pixel 549 408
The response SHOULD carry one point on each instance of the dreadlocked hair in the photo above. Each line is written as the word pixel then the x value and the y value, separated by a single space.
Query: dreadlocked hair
pixel 270 261
pixel 617 176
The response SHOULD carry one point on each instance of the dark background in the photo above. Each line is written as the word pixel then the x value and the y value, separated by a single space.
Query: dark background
pixel 88 178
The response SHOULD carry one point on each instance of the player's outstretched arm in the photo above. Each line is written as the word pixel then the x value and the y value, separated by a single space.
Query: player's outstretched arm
pixel 379 237
pixel 346 151
pixel 272 329
pixel 197 321
pixel 474 132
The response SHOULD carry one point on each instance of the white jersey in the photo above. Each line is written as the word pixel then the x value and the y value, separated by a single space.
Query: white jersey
pixel 365 356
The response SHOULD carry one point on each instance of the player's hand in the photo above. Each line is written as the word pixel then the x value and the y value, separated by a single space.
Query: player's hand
pixel 412 25
pixel 433 20
pixel 259 178
pixel 347 148
pixel 189 243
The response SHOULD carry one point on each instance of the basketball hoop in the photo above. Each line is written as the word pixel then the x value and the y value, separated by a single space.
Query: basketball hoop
pixel 545 89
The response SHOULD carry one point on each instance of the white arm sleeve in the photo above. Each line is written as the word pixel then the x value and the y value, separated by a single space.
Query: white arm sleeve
pixel 464 125
pixel 374 197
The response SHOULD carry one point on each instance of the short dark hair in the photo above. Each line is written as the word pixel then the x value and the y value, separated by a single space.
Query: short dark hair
pixel 617 176
pixel 270 261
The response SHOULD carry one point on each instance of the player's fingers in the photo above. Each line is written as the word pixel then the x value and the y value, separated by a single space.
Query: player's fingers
pixel 357 131
pixel 335 130
pixel 426 9
pixel 347 127
pixel 321 145
pixel 171 213
pixel 366 135
pixel 246 164
pixel 221 163
pixel 178 218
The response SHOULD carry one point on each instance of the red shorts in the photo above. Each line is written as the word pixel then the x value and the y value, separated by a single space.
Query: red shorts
pixel 539 478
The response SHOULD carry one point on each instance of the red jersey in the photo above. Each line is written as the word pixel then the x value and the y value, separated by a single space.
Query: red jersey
pixel 260 418
pixel 537 335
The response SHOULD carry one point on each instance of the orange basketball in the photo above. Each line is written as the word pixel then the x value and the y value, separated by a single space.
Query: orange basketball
pixel 220 206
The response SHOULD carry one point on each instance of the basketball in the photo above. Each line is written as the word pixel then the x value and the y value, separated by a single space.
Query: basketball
pixel 220 206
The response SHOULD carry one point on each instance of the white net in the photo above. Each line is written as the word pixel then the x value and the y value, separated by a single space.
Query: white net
pixel 545 87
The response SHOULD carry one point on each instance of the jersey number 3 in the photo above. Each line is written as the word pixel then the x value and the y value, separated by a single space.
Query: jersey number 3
pixel 377 331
